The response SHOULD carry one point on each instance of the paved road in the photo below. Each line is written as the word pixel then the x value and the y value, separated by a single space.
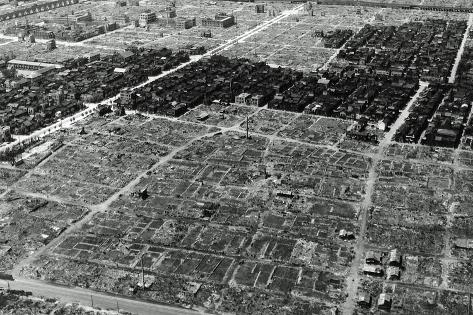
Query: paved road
pixel 68 121
pixel 91 107
pixel 461 50
pixel 353 279
pixel 85 297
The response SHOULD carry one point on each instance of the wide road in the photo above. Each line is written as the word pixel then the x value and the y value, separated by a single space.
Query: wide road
pixel 353 279
pixel 85 297
pixel 453 74
pixel 91 107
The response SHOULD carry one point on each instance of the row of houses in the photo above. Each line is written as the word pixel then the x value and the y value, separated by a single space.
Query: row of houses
pixel 446 126
pixel 216 79
pixel 42 100
pixel 439 116
pixel 421 112
pixel 425 50
pixel 350 94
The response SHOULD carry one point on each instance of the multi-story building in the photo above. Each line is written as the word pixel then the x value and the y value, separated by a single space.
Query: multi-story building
pixel 257 100
pixel 122 19
pixel 146 18
pixel 243 99
pixel 82 16
pixel 127 96
pixel 42 33
pixel 24 32
pixel 184 23
pixel 221 20
pixel 31 65
pixel 91 57
pixel 111 26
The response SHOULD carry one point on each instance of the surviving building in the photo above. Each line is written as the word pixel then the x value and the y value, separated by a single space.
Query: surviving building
pixel 221 20
pixel 184 23
pixel 5 134
pixel 146 18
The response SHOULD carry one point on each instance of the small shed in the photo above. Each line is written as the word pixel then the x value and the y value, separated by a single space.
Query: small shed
pixel 372 270
pixel 364 299
pixel 346 235
pixel 393 273
pixel 373 257
pixel 395 258
pixel 384 301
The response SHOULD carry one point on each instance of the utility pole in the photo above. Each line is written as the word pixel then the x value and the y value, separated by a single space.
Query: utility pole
pixel 247 135
pixel 142 273
pixel 118 309
pixel 92 300
pixel 469 303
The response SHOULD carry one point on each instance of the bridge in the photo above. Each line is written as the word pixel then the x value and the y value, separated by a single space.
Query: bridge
pixel 404 6
pixel 36 8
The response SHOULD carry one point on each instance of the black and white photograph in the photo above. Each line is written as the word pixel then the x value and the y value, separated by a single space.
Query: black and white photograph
pixel 279 157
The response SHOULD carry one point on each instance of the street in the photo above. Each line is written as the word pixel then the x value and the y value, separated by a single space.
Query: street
pixel 85 297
